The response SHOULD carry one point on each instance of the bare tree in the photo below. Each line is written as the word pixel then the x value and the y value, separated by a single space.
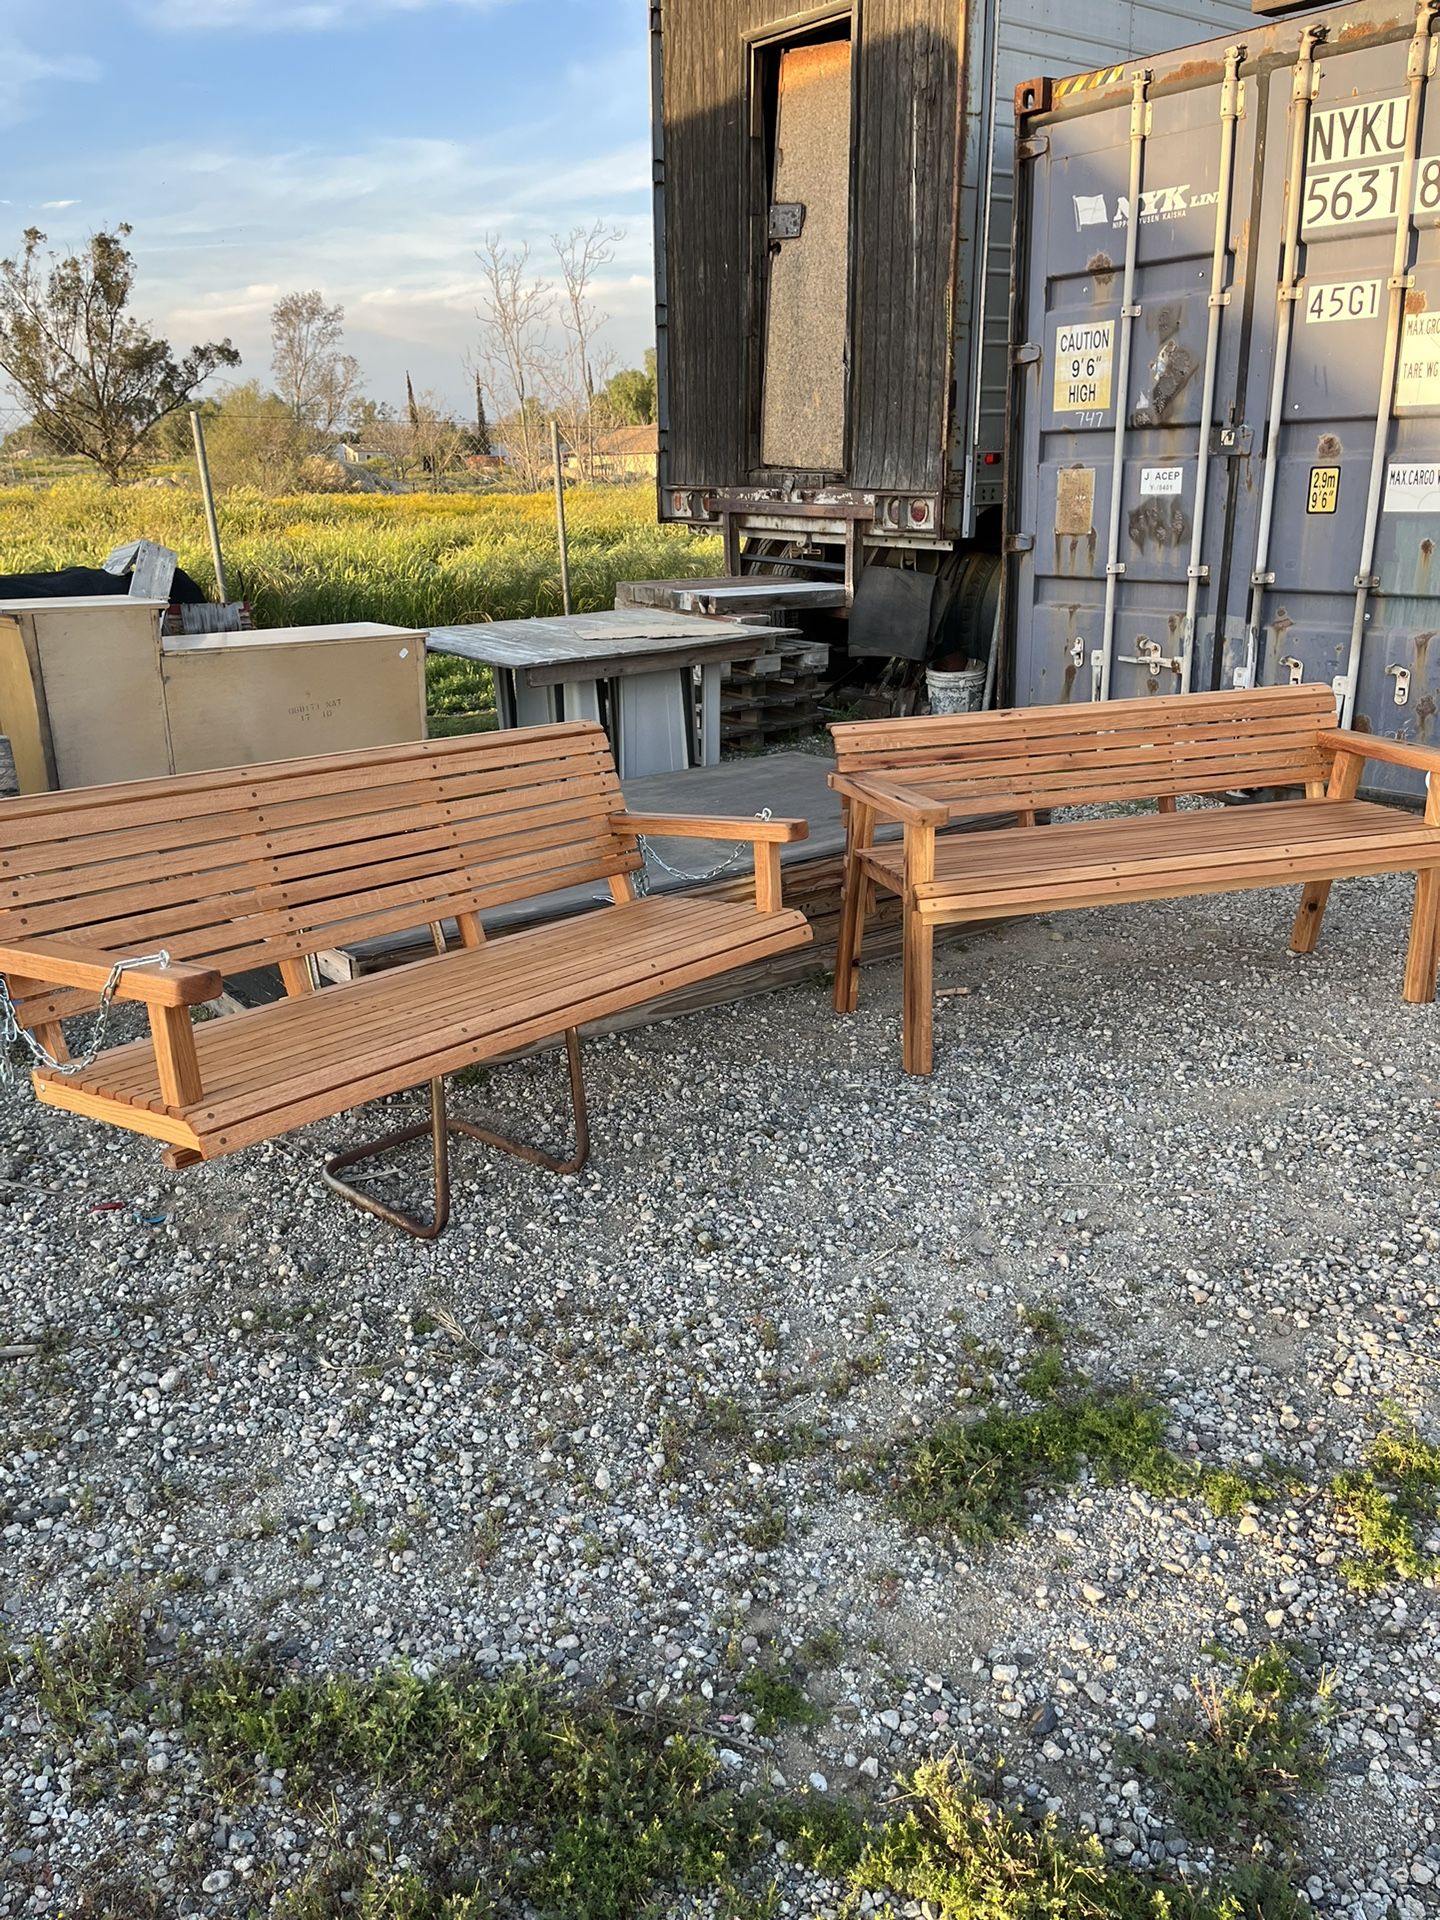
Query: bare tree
pixel 428 440
pixel 317 380
pixel 583 253
pixel 515 352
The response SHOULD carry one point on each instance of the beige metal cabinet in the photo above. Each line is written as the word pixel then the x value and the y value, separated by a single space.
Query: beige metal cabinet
pixel 91 693
pixel 80 690
pixel 234 699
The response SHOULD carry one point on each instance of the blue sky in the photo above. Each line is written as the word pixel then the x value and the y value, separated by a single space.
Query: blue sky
pixel 361 146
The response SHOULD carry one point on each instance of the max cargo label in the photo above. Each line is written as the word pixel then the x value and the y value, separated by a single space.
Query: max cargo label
pixel 1417 378
pixel 1412 487
pixel 1084 362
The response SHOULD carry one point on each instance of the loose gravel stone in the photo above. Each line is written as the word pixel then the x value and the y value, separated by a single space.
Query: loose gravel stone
pixel 613 1425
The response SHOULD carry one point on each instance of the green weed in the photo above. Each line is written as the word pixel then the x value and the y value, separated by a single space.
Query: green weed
pixel 977 1479
pixel 1389 1507
pixel 775 1700
pixel 966 1858
pixel 1237 1775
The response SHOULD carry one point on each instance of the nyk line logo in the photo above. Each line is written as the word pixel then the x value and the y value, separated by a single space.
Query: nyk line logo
pixel 1156 203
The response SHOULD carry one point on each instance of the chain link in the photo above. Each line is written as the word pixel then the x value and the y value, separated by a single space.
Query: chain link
pixel 11 1030
pixel 648 853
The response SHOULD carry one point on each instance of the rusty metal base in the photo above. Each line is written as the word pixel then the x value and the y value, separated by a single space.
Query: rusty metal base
pixel 440 1127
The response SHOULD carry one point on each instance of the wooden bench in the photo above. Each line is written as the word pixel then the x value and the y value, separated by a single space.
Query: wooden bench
pixel 926 774
pixel 263 866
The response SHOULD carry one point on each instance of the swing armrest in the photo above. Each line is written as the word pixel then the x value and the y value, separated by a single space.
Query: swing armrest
pixel 65 963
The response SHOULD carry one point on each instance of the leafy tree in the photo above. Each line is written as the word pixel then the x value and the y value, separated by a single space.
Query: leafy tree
pixel 317 381
pixel 369 419
pixel 255 441
pixel 631 393
pixel 95 379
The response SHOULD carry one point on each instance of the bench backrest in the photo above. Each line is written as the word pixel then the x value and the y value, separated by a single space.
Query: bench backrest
pixel 1121 750
pixel 252 866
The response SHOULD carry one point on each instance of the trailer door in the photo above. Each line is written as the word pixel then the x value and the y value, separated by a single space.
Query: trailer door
pixel 803 420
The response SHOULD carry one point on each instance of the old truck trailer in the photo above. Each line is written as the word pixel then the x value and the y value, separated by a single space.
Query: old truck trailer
pixel 1224 436
pixel 833 211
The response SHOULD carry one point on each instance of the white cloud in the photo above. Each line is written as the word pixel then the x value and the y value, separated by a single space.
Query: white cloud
pixel 389 229
pixel 281 16
pixel 51 206
pixel 23 75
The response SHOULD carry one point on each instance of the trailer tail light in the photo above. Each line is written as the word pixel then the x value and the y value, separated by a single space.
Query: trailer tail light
pixel 682 505
pixel 992 459
pixel 922 515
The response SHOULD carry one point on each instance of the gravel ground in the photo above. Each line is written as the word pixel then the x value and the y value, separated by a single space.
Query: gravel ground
pixel 543 1439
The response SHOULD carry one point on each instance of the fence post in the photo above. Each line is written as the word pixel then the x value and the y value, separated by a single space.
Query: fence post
pixel 208 492
pixel 560 515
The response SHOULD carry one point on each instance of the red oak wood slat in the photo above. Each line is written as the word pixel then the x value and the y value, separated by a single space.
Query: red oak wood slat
pixel 264 865
pixel 922 773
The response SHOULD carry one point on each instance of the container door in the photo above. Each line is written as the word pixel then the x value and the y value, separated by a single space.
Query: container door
pixel 1333 403
pixel 1127 400
pixel 803 423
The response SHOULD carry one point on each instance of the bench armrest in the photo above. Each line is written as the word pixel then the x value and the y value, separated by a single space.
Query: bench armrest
pixel 891 799
pixel 1371 746
pixel 65 963
pixel 700 826
pixel 766 836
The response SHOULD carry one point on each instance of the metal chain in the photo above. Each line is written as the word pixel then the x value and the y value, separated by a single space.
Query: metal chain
pixel 11 1030
pixel 647 852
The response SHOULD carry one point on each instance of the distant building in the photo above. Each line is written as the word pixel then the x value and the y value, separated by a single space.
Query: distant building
pixel 629 453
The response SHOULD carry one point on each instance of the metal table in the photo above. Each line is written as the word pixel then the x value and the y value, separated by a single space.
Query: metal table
pixel 644 657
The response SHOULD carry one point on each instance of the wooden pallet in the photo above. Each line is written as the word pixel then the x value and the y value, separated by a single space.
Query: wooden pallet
pixel 776 694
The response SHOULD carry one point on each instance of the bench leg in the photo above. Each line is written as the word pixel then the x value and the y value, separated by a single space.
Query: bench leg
pixel 1305 934
pixel 917 1052
pixel 1424 951
pixel 856 904
pixel 439 1127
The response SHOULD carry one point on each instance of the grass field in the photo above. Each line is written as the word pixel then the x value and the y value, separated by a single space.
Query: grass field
pixel 416 560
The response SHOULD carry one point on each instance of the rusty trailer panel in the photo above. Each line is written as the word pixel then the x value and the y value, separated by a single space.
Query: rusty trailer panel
pixel 1225 429
pixel 890 406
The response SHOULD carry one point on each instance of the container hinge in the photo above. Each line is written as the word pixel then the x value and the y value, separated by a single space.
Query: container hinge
pixel 1198 572
pixel 1024 356
pixel 1032 148
pixel 1366 582
pixel 1019 543
pixel 787 219
pixel 1117 567
pixel 1262 579
pixel 1295 668
pixel 1402 685
pixel 1131 313
pixel 1403 281
pixel 1297 292
pixel 1219 299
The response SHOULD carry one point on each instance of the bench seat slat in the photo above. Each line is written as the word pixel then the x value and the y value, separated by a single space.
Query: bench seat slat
pixel 379 1005
pixel 430 1018
pixel 1073 850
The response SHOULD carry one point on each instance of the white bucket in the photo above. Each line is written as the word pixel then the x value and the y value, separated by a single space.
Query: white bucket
pixel 955 692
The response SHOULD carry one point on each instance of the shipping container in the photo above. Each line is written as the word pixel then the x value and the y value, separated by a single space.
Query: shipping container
pixel 1224 456
pixel 833 205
